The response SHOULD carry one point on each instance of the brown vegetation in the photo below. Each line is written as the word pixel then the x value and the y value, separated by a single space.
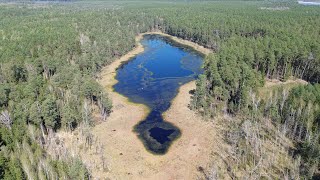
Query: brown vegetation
pixel 206 148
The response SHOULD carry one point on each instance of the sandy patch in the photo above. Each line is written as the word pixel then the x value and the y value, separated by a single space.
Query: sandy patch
pixel 108 73
pixel 276 82
pixel 273 86
pixel 191 150
pixel 128 158
pixel 125 155
pixel 117 153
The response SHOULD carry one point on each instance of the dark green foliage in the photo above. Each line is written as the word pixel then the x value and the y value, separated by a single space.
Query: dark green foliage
pixel 4 94
pixel 73 169
pixel 69 117
pixel 310 153
pixel 35 113
pixel 90 89
pixel 50 113
pixel 252 44
pixel 51 56
pixel 302 114
pixel 12 170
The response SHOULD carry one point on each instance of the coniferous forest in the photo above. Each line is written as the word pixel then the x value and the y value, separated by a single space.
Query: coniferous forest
pixel 52 52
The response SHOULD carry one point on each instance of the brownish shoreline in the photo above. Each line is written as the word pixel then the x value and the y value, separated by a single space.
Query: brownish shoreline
pixel 117 152
pixel 126 156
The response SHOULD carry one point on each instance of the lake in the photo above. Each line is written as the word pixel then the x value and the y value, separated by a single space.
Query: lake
pixel 153 78
pixel 310 3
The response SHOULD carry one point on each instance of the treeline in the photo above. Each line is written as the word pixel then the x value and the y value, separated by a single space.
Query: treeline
pixel 299 113
pixel 49 61
pixel 251 45
pixel 51 55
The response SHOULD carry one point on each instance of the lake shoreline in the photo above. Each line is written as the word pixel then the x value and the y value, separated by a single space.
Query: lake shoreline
pixel 108 73
pixel 118 136
pixel 193 45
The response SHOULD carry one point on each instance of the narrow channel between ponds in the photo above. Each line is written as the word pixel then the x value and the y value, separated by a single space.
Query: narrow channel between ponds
pixel 153 78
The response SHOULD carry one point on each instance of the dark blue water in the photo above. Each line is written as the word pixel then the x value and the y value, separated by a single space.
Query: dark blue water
pixel 153 78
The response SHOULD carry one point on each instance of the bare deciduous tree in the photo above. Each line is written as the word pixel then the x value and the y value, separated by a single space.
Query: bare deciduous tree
pixel 5 119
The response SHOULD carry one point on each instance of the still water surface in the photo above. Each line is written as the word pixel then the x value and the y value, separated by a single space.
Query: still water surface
pixel 153 78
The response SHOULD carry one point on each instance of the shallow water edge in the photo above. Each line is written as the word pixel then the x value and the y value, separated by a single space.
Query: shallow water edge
pixel 112 68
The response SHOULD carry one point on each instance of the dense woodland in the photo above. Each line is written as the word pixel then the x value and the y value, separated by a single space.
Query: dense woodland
pixel 51 54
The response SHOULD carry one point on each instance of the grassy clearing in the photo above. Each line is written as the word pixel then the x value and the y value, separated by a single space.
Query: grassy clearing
pixel 272 86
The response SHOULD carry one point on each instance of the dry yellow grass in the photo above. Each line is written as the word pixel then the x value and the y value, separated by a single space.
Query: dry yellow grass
pixel 201 144
pixel 125 154
pixel 273 84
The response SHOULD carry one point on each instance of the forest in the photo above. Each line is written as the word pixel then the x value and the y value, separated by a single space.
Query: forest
pixel 51 55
